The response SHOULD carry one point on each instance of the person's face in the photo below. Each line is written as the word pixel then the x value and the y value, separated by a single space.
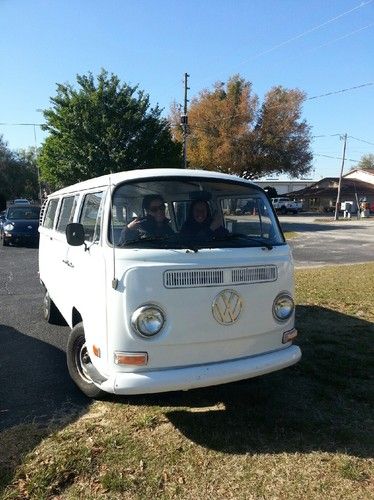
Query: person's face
pixel 200 212
pixel 157 210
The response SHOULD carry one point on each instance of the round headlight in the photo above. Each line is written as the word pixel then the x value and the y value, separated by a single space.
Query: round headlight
pixel 9 227
pixel 283 307
pixel 148 320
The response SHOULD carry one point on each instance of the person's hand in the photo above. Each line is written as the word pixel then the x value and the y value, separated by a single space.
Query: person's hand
pixel 134 223
pixel 216 222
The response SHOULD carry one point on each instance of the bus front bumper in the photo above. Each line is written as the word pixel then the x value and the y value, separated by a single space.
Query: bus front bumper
pixel 183 379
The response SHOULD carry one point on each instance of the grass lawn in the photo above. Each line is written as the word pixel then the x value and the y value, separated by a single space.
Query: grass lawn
pixel 303 433
pixel 289 235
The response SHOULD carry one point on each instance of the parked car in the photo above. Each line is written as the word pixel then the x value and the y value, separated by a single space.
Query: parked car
pixel 2 217
pixel 20 225
pixel 285 205
pixel 21 201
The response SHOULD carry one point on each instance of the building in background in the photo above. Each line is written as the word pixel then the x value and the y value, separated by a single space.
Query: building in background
pixel 357 187
pixel 283 187
pixel 361 174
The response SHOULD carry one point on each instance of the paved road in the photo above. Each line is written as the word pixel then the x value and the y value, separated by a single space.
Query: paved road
pixel 320 242
pixel 34 383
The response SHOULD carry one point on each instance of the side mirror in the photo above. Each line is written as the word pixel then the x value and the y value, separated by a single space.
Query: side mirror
pixel 75 234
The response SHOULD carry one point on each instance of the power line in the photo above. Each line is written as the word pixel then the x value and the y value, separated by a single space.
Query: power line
pixel 315 28
pixel 23 124
pixel 361 140
pixel 325 135
pixel 340 91
pixel 311 98
pixel 340 38
pixel 335 157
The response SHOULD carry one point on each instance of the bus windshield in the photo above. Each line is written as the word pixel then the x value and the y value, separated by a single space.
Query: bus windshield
pixel 192 213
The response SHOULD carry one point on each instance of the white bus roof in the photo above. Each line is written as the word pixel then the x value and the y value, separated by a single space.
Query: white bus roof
pixel 130 175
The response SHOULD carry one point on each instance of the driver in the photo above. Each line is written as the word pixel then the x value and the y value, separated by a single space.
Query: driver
pixel 153 225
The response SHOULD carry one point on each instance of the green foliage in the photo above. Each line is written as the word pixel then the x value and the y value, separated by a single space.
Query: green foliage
pixel 103 126
pixel 28 162
pixel 232 133
pixel 18 173
pixel 366 162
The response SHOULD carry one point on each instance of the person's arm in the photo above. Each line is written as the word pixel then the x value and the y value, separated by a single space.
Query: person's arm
pixel 216 222
pixel 130 232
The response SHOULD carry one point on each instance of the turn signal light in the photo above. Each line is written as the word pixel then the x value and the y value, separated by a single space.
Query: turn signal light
pixel 131 358
pixel 289 335
pixel 96 350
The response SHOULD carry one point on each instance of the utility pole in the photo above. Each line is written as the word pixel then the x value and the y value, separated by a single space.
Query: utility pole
pixel 184 120
pixel 37 166
pixel 340 179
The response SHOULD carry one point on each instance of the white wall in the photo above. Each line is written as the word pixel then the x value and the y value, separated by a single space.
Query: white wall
pixel 284 187
pixel 360 175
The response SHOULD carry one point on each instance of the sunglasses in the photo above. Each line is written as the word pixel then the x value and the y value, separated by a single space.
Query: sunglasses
pixel 158 208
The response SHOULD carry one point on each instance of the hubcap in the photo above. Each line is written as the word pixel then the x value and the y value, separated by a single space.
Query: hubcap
pixel 82 361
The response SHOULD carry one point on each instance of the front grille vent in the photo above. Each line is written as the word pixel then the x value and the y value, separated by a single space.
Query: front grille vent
pixel 254 274
pixel 184 278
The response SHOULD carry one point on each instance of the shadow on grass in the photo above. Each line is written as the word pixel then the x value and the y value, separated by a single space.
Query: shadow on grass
pixel 324 403
pixel 37 396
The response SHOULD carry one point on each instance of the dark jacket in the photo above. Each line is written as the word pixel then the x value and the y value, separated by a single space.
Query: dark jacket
pixel 201 230
pixel 147 228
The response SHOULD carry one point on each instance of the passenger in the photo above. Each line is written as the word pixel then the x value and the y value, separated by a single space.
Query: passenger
pixel 200 224
pixel 153 225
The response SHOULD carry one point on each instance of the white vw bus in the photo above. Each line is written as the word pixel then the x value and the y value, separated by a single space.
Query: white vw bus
pixel 172 310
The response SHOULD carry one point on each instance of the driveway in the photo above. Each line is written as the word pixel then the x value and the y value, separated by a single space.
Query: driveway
pixel 321 242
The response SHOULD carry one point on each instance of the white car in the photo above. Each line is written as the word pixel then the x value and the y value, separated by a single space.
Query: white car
pixel 285 205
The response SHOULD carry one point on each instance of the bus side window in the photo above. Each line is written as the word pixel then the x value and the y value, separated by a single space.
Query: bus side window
pixel 91 215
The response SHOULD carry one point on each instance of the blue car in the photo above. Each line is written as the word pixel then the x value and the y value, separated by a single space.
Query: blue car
pixel 20 225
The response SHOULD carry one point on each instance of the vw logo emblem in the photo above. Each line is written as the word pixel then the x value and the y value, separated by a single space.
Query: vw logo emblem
pixel 227 307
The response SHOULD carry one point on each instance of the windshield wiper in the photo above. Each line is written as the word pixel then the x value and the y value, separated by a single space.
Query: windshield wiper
pixel 167 237
pixel 242 236
pixel 146 239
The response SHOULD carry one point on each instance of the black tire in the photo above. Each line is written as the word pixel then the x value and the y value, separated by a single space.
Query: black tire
pixel 50 311
pixel 5 243
pixel 283 210
pixel 77 356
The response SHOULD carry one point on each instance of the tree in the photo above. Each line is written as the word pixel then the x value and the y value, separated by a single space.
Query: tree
pixel 18 174
pixel 27 158
pixel 230 132
pixel 6 163
pixel 103 126
pixel 366 162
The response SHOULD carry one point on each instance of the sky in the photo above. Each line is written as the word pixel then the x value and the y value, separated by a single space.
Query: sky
pixel 318 46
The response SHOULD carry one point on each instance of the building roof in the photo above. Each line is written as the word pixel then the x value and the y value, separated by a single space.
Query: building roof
pixel 328 187
pixel 364 170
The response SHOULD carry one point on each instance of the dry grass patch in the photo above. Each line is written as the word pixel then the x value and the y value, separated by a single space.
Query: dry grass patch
pixel 305 432
pixel 290 235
